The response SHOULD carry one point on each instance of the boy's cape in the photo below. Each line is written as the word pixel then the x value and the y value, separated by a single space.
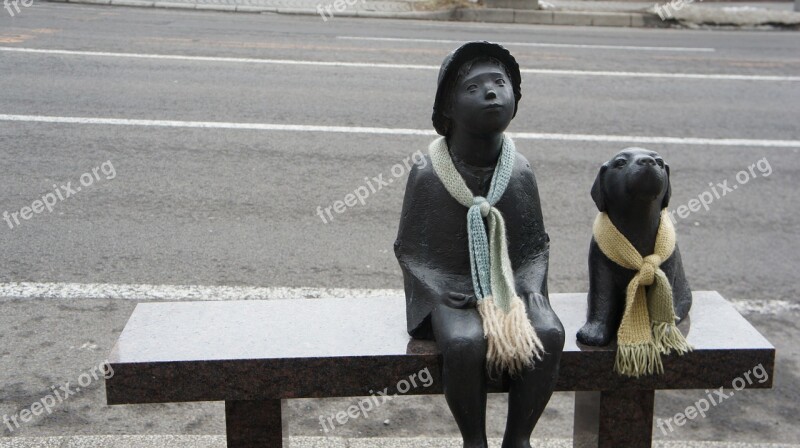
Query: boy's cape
pixel 432 247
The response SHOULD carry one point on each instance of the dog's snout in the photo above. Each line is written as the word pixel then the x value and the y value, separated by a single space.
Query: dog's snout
pixel 646 160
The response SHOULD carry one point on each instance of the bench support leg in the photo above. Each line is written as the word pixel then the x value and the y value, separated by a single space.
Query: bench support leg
pixel 255 424
pixel 613 419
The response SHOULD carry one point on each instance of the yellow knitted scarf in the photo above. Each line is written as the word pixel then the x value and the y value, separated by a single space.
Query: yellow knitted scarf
pixel 648 325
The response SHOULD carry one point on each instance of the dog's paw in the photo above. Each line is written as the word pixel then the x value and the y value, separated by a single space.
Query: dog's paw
pixel 594 334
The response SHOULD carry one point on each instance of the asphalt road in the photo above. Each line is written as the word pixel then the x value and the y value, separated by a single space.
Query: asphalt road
pixel 178 205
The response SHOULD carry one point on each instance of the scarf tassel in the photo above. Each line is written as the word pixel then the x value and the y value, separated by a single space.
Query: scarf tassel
pixel 512 342
pixel 667 338
pixel 645 358
pixel 638 359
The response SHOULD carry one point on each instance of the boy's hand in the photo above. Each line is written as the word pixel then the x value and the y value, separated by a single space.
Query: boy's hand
pixel 460 301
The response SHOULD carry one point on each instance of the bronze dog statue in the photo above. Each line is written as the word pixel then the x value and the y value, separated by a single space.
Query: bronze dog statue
pixel 632 188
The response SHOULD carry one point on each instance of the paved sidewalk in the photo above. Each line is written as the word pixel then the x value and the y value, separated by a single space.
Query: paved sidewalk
pixel 313 442
pixel 347 8
pixel 551 12
pixel 692 13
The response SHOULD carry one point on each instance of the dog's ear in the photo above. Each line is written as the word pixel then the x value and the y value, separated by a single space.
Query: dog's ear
pixel 668 194
pixel 598 193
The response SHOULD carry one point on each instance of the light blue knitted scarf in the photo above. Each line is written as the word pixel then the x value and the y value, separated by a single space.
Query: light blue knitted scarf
pixel 512 341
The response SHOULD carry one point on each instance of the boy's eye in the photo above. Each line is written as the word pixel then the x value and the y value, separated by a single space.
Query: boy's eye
pixel 501 81
pixel 472 87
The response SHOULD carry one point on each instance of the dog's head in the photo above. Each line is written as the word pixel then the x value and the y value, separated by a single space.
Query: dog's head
pixel 634 175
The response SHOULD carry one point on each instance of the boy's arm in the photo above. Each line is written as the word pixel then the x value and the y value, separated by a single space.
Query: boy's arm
pixel 414 238
pixel 531 275
pixel 421 281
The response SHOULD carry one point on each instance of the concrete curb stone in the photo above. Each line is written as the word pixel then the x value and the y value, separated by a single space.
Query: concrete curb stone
pixel 572 18
pixel 611 19
pixel 640 21
pixel 89 2
pixel 536 17
pixel 137 3
pixel 224 8
pixel 494 15
pixel 172 5
pixel 446 14
pixel 255 9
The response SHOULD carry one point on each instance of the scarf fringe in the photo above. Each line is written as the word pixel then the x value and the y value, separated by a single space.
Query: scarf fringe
pixel 638 359
pixel 667 338
pixel 512 342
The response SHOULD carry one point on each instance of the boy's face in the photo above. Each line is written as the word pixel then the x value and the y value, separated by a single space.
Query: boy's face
pixel 483 100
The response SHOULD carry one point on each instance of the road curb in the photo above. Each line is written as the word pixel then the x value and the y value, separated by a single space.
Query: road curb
pixel 489 15
pixel 571 18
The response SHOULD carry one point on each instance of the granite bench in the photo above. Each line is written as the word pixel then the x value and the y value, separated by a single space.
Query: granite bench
pixel 255 355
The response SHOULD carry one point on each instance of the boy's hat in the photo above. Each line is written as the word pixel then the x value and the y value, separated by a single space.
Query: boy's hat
pixel 453 61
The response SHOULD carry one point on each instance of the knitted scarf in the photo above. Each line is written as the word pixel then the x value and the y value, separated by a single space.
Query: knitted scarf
pixel 648 325
pixel 512 341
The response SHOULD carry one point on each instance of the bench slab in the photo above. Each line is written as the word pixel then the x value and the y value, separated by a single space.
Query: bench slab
pixel 281 349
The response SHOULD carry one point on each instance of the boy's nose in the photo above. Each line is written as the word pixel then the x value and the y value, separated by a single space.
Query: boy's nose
pixel 491 94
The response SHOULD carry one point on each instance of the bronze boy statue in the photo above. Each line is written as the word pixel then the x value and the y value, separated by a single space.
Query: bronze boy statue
pixel 474 252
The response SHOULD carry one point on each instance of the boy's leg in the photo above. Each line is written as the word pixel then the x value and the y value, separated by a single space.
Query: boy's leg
pixel 459 336
pixel 529 393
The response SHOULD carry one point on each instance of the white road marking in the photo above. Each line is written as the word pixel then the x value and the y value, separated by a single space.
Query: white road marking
pixel 376 65
pixel 65 291
pixel 400 131
pixel 657 140
pixel 534 44
pixel 704 76
pixel 177 57
pixel 215 125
